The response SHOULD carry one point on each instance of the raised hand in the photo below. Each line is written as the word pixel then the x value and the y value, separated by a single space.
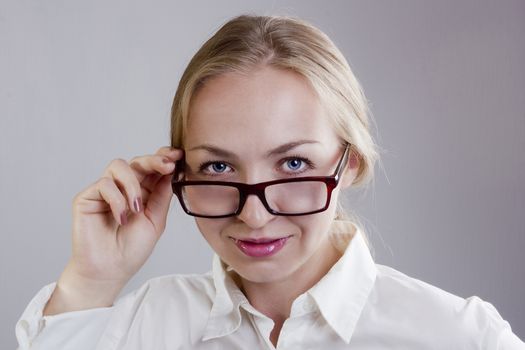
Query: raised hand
pixel 116 223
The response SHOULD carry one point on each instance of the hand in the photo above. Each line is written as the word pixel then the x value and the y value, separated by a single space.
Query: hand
pixel 116 223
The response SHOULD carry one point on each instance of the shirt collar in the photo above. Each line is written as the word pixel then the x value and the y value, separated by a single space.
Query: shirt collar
pixel 342 293
pixel 348 283
pixel 225 316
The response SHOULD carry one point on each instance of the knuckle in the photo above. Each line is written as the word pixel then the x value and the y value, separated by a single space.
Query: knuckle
pixel 76 198
pixel 135 159
pixel 104 181
pixel 117 162
pixel 119 202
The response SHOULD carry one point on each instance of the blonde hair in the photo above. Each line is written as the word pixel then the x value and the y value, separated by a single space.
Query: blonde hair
pixel 248 41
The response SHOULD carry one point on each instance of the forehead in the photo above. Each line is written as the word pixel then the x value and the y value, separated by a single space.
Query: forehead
pixel 259 110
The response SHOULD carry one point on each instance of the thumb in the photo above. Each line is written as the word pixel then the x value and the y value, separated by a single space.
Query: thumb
pixel 159 203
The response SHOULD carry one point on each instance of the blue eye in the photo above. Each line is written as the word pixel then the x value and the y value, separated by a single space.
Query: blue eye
pixel 218 167
pixel 294 164
pixel 212 168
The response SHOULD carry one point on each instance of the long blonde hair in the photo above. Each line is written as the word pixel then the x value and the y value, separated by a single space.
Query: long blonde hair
pixel 247 41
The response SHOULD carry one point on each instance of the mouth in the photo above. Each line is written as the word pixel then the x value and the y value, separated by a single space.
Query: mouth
pixel 261 247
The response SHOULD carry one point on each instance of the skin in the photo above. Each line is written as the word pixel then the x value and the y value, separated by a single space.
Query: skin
pixel 118 219
pixel 112 238
pixel 272 108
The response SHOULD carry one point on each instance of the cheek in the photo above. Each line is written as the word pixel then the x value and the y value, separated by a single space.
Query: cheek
pixel 315 227
pixel 321 224
pixel 211 228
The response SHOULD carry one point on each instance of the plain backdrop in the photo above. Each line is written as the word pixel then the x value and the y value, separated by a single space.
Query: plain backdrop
pixel 84 82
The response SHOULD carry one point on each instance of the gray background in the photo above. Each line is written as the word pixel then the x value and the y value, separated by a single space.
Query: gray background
pixel 84 82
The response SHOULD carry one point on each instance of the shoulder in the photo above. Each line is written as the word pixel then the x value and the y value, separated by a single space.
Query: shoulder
pixel 172 307
pixel 176 285
pixel 471 322
pixel 178 292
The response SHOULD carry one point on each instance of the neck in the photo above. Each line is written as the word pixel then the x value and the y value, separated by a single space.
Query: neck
pixel 274 299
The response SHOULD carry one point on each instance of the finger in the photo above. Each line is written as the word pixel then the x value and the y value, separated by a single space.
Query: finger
pixel 149 183
pixel 126 179
pixel 163 164
pixel 169 152
pixel 158 204
pixel 105 192
pixel 160 163
pixel 151 164
pixel 171 156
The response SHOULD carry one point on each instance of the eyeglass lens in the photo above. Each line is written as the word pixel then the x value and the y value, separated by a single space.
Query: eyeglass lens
pixel 286 198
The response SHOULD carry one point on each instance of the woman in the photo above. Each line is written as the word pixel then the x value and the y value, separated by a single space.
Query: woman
pixel 269 124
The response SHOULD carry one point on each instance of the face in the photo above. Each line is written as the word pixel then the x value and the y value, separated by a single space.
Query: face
pixel 235 122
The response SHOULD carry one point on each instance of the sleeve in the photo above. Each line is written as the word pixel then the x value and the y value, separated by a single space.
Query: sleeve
pixel 76 330
pixel 509 341
pixel 497 332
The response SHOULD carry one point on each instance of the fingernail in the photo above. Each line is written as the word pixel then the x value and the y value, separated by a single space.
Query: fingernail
pixel 123 218
pixel 137 204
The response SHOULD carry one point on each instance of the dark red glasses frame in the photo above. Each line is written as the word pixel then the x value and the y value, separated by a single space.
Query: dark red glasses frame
pixel 258 189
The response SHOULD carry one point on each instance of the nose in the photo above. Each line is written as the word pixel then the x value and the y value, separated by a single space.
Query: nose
pixel 253 213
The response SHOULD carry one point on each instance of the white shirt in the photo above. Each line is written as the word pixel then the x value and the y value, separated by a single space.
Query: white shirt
pixel 358 305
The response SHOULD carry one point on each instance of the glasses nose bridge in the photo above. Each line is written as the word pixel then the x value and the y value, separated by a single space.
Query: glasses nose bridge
pixel 253 189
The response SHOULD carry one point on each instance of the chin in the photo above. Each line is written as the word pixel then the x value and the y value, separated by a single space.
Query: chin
pixel 263 272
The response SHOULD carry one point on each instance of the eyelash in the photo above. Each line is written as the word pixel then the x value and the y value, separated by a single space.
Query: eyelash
pixel 308 162
pixel 204 165
pixel 309 165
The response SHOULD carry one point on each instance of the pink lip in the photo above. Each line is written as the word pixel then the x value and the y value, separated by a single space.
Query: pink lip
pixel 262 247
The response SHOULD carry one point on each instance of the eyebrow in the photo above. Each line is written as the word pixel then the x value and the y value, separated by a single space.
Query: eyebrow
pixel 227 154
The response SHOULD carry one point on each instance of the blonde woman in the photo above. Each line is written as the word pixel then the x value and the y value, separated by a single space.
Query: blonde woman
pixel 269 125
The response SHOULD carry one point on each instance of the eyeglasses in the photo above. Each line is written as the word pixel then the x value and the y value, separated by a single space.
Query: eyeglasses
pixel 286 197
